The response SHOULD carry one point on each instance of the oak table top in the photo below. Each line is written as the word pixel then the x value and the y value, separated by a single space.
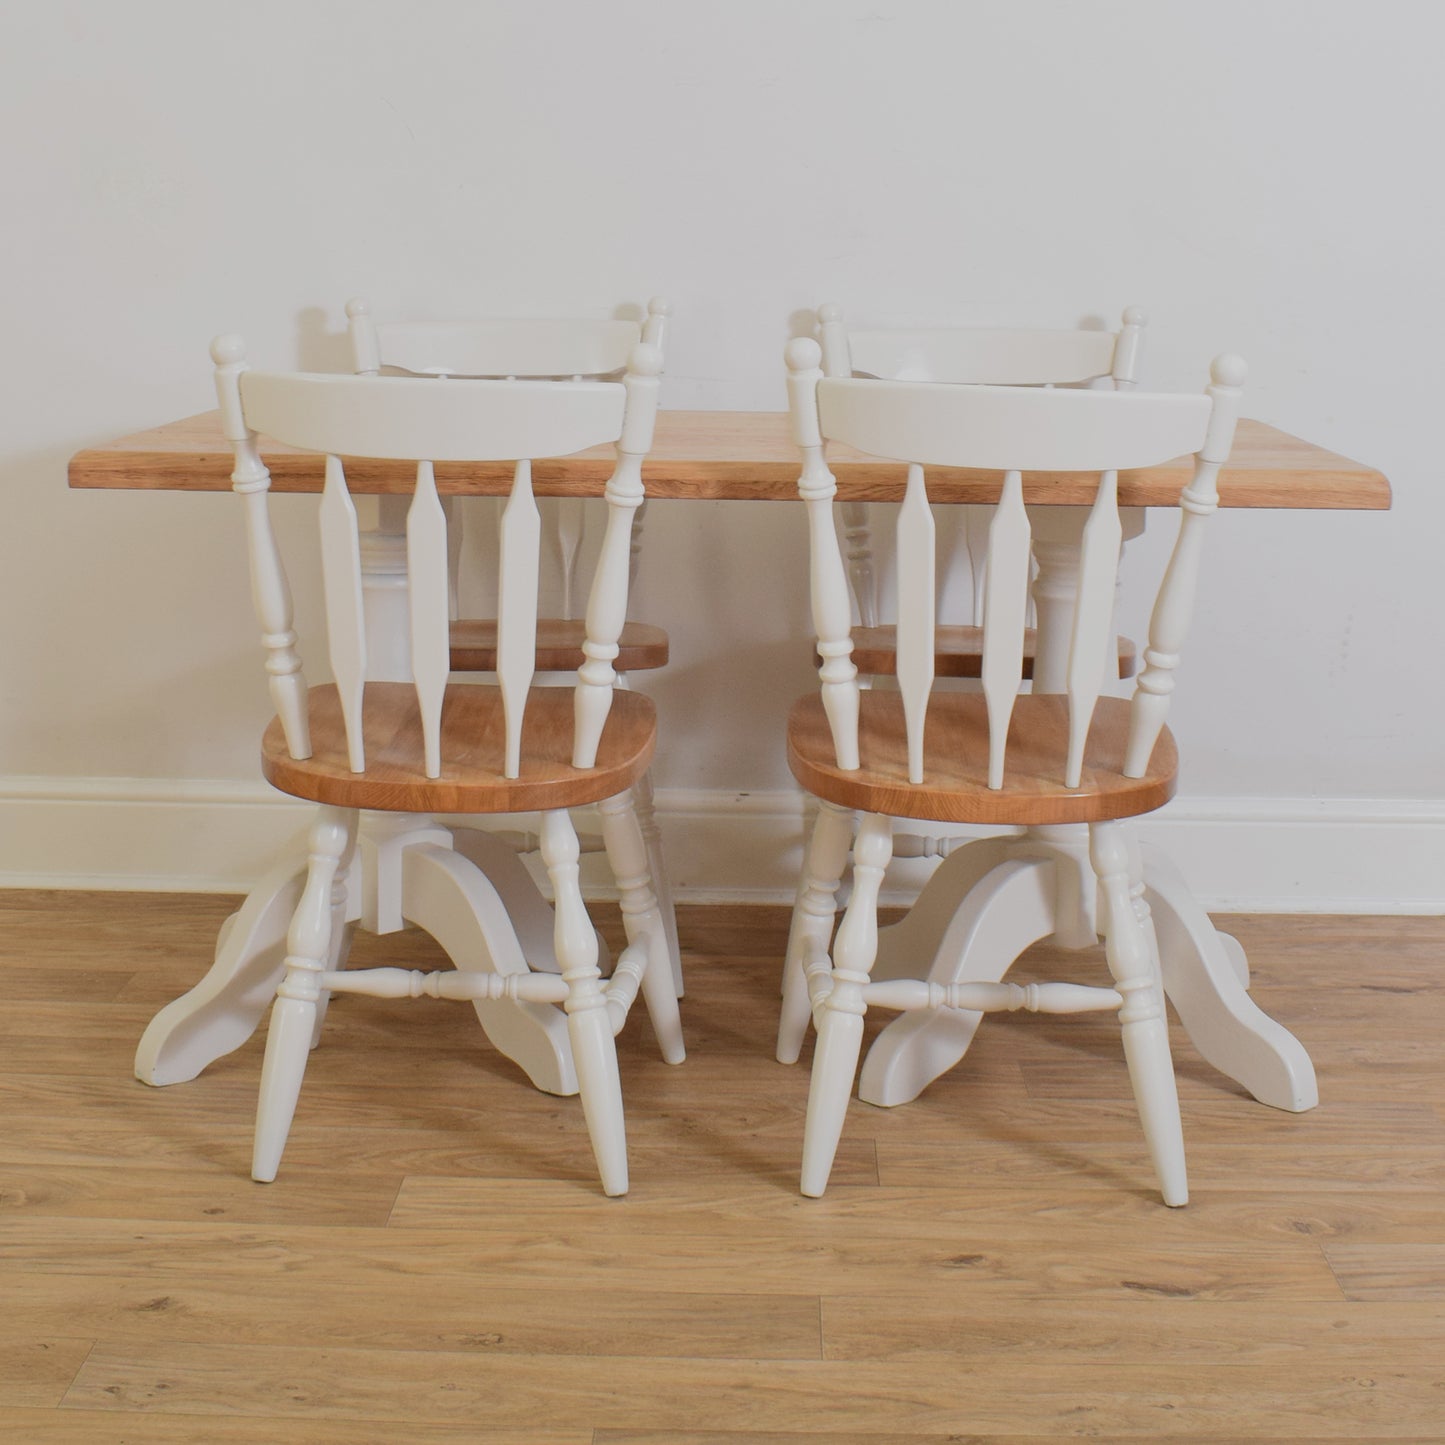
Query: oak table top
pixel 737 456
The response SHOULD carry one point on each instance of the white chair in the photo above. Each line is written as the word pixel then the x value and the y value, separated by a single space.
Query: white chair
pixel 990 757
pixel 988 356
pixel 536 349
pixel 434 747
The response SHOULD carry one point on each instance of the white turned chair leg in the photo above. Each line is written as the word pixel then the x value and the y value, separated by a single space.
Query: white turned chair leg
pixel 661 886
pixel 341 934
pixel 840 1021
pixel 225 1008
pixel 812 927
pixel 589 1024
pixel 1133 956
pixel 628 854
pixel 293 1017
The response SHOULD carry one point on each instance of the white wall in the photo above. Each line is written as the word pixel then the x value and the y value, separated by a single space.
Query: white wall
pixel 1263 177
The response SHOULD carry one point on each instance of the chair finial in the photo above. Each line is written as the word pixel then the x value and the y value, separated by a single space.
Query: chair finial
pixel 228 349
pixel 830 312
pixel 659 306
pixel 1228 370
pixel 802 353
pixel 1135 316
pixel 358 306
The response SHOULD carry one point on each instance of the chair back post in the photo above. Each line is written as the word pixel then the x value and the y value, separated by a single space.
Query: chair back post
pixel 607 601
pixel 361 329
pixel 837 358
pixel 654 333
pixel 828 580
pixel 1128 347
pixel 654 329
pixel 270 591
pixel 1174 604
pixel 857 523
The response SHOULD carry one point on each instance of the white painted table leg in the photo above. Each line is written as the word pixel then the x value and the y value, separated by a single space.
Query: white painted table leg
pixel 469 918
pixel 1202 980
pixel 224 1009
pixel 1001 915
pixel 1206 974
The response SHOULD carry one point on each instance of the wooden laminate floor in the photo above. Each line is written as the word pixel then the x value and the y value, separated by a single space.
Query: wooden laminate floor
pixel 436 1261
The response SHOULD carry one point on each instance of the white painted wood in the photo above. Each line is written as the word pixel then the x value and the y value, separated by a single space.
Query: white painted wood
pixel 223 1010
pixel 535 348
pixel 1202 980
pixel 828 580
pixel 483 926
pixel 293 1017
pixel 589 1024
pixel 345 617
pixel 839 1006
pixel 607 601
pixel 520 535
pixel 811 929
pixel 1005 615
pixel 1134 962
pixel 997 428
pixel 270 592
pixel 1092 650
pixel 1175 603
pixel 971 922
pixel 642 922
pixel 1003 356
pixel 862 580
pixel 1041 998
pixel 403 417
pixel 429 604
pixel 567 540
pixel 916 603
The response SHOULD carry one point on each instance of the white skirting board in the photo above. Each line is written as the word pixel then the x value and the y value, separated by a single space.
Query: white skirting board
pixel 1256 855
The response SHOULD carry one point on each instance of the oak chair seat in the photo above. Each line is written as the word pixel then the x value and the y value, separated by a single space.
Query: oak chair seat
pixel 473 736
pixel 641 646
pixel 957 651
pixel 955 762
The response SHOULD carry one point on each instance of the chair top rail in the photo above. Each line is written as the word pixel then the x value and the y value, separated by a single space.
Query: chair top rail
pixel 438 420
pixel 1010 429
pixel 981 355
pixel 519 348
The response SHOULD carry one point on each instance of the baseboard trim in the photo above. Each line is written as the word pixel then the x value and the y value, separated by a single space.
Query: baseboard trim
pixel 1257 855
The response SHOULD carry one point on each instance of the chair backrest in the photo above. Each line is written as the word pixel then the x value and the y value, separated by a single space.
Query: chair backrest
pixel 1009 430
pixel 984 356
pixel 434 421
pixel 549 348
pixel 972 355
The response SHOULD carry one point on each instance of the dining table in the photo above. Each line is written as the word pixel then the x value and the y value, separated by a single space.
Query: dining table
pixel 1032 886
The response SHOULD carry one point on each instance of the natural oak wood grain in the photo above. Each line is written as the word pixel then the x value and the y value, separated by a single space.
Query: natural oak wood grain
pixel 1167 1397
pixel 737 456
pixel 987 1265
pixel 473 738
pixel 641 646
pixel 955 765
